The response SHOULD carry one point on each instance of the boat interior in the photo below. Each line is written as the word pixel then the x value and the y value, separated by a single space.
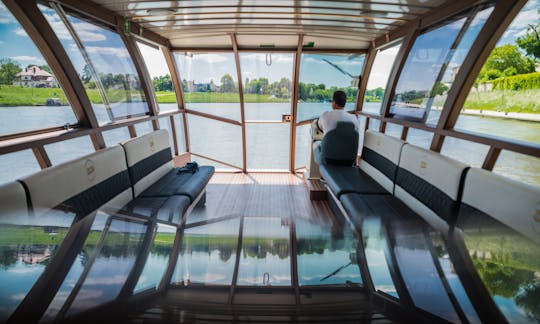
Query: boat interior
pixel 171 175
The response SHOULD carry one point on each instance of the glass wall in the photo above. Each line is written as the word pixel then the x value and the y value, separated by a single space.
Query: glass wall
pixel 210 83
pixel 30 96
pixel 17 165
pixel 68 150
pixel 161 77
pixel 321 75
pixel 378 78
pixel 267 85
pixel 104 65
pixel 503 101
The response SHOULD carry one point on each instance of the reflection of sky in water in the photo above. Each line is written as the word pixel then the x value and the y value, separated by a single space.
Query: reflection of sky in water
pixel 374 251
pixel 422 280
pixel 265 251
pixel 320 254
pixel 15 281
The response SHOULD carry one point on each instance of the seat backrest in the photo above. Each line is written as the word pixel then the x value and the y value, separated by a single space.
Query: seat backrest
pixel 429 182
pixel 340 145
pixel 13 206
pixel 148 159
pixel 491 196
pixel 380 158
pixel 81 186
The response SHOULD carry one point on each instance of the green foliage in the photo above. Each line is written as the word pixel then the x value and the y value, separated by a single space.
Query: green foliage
pixel 438 89
pixel 505 57
pixel 227 84
pixel 523 101
pixel 163 83
pixel 8 69
pixel 530 42
pixel 518 82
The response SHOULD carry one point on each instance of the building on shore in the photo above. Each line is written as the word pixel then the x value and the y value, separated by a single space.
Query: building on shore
pixel 35 77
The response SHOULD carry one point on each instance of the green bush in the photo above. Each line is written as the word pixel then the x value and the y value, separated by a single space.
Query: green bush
pixel 518 82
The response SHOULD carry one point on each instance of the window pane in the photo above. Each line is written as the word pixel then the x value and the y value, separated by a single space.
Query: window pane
pixel 179 124
pixel 144 128
pixel 452 68
pixel 393 130
pixel 419 137
pixel 268 146
pixel 158 258
pixel 505 95
pixel 161 77
pixel 374 124
pixel 115 136
pixel 30 96
pixel 17 165
pixel 467 152
pixel 303 145
pixel 524 168
pixel 210 83
pixel 64 151
pixel 378 78
pixel 109 58
pixel 267 85
pixel 215 139
pixel 111 266
pixel 208 254
pixel 165 123
pixel 321 75
pixel 420 79
pixel 326 254
pixel 265 255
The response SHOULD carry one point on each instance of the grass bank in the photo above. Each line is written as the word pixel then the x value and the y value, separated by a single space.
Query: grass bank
pixel 521 101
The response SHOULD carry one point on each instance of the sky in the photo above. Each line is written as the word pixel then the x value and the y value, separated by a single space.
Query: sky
pixel 109 53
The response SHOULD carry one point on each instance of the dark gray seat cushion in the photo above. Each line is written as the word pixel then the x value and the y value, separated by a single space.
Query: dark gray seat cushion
pixel 387 207
pixel 187 184
pixel 169 209
pixel 346 179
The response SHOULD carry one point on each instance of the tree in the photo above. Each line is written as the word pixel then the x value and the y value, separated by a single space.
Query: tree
pixel 227 84
pixel 530 42
pixel 8 69
pixel 86 74
pixel 438 89
pixel 504 57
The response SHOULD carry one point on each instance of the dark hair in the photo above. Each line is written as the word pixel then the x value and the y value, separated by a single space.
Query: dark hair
pixel 340 98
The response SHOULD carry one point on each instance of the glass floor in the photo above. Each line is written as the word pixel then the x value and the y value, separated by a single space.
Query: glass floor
pixel 480 271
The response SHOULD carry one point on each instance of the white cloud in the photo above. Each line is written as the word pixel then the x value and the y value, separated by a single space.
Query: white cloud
pixel 25 59
pixel 19 31
pixel 210 58
pixel 86 31
pixel 116 51
pixel 4 20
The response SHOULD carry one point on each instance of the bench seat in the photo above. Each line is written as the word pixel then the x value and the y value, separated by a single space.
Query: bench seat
pixel 186 184
pixel 168 209
pixel 347 179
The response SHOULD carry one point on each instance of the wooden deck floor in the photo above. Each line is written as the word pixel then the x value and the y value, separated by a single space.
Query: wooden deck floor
pixel 260 194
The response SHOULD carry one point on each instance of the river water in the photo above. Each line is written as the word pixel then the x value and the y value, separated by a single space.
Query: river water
pixel 267 144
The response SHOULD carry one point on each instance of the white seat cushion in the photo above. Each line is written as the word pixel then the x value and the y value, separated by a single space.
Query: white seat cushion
pixel 80 186
pixel 380 157
pixel 148 158
pixel 428 183
pixel 515 204
pixel 13 207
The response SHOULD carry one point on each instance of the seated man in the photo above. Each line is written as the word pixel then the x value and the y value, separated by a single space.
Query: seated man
pixel 330 119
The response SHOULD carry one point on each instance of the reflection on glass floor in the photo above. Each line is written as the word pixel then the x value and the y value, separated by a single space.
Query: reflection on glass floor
pixel 292 252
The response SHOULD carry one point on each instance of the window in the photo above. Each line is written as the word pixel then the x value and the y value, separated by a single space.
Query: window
pixel 115 136
pixel 420 81
pixel 17 165
pixel 161 77
pixel 504 101
pixel 64 151
pixel 267 85
pixel 378 78
pixel 144 128
pixel 30 95
pixel 104 65
pixel 210 83
pixel 431 67
pixel 419 137
pixel 321 75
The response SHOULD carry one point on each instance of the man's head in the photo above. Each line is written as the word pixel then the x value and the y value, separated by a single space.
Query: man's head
pixel 339 99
